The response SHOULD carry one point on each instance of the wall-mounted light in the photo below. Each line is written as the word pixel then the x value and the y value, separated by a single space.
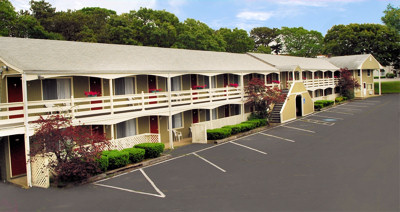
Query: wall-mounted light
pixel 4 68
pixel 40 77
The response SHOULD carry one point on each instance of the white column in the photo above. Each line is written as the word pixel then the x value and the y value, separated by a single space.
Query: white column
pixel 26 125
pixel 112 131
pixel 293 77
pixel 242 99
pixel 171 141
pixel 265 79
pixel 111 96
pixel 312 77
pixel 379 76
pixel 211 118
pixel 361 82
pixel 209 88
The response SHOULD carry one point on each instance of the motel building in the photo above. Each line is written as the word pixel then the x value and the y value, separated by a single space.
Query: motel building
pixel 147 94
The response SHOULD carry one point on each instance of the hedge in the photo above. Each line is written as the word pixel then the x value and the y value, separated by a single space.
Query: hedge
pixel 226 131
pixel 135 154
pixel 324 102
pixel 340 99
pixel 103 163
pixel 116 159
pixel 152 150
pixel 218 133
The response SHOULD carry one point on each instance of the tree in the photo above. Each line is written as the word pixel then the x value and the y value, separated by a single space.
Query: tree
pixel 75 148
pixel 347 83
pixel 237 40
pixel 26 26
pixel 298 41
pixel 374 39
pixel 197 35
pixel 8 17
pixel 263 38
pixel 392 17
pixel 262 97
pixel 123 29
pixel 43 12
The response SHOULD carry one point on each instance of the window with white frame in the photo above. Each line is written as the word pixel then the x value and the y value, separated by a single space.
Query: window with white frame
pixel 124 86
pixel 214 114
pixel 56 89
pixel 126 128
pixel 358 72
pixel 176 83
pixel 207 115
pixel 213 81
pixel 177 121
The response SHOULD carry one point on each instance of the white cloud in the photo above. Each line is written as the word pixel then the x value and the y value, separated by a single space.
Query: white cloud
pixel 175 6
pixel 257 16
pixel 314 3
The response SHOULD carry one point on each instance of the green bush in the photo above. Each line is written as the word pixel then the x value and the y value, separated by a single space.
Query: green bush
pixel 325 103
pixel 116 159
pixel 152 150
pixel 252 123
pixel 235 129
pixel 135 154
pixel 389 75
pixel 382 77
pixel 259 122
pixel 218 133
pixel 318 106
pixel 254 116
pixel 103 163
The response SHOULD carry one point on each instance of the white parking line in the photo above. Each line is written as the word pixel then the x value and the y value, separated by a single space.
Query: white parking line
pixel 223 170
pixel 338 112
pixel 160 193
pixel 248 147
pixel 329 117
pixel 348 105
pixel 314 121
pixel 274 136
pixel 295 128
pixel 344 108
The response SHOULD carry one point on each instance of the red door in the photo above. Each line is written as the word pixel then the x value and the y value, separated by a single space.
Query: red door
pixel 14 86
pixel 226 110
pixel 95 86
pixel 152 85
pixel 154 124
pixel 193 83
pixel 195 116
pixel 17 151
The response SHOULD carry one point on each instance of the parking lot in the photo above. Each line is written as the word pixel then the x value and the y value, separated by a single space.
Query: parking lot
pixel 345 158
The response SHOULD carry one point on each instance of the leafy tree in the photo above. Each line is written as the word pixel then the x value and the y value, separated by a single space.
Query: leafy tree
pixel 43 12
pixel 392 17
pixel 298 41
pixel 263 38
pixel 94 30
pixel 123 29
pixel 375 39
pixel 262 97
pixel 8 17
pixel 26 26
pixel 69 24
pixel 237 40
pixel 197 35
pixel 347 83
pixel 75 148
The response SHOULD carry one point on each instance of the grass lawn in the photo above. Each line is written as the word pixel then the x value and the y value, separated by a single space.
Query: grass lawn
pixel 388 87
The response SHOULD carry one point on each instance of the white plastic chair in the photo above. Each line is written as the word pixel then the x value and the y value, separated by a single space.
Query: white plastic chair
pixel 177 135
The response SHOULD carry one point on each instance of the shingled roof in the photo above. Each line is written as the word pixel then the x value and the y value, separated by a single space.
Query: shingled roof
pixel 353 62
pixel 34 56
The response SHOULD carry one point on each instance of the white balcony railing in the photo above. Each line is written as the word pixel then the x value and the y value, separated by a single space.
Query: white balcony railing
pixel 320 83
pixel 129 142
pixel 11 114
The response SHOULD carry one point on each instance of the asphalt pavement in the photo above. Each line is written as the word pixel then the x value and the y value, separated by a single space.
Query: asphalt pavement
pixel 343 159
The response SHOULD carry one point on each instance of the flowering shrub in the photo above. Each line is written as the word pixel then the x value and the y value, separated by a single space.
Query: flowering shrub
pixel 76 149
pixel 276 81
pixel 91 93
pixel 233 85
pixel 347 83
pixel 198 87
pixel 155 90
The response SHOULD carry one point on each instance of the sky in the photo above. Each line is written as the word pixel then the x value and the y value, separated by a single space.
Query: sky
pixel 319 15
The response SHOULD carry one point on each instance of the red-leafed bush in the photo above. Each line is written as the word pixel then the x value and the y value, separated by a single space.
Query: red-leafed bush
pixel 261 96
pixel 347 83
pixel 75 149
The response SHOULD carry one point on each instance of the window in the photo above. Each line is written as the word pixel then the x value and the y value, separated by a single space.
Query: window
pixel 214 114
pixel 176 83
pixel 207 115
pixel 358 72
pixel 177 121
pixel 236 79
pixel 126 128
pixel 56 89
pixel 213 81
pixel 368 72
pixel 370 86
pixel 124 86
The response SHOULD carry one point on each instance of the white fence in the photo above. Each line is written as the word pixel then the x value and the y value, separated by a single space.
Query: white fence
pixel 129 142
pixel 199 130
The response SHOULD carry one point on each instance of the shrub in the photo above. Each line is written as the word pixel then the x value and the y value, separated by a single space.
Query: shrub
pixel 318 106
pixel 251 123
pixel 325 103
pixel 218 133
pixel 235 129
pixel 103 163
pixel 152 150
pixel 382 77
pixel 135 154
pixel 77 169
pixel 259 122
pixel 254 116
pixel 389 75
pixel 339 99
pixel 116 159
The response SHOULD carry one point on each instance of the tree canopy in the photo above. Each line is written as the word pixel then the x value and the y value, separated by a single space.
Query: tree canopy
pixel 392 17
pixel 374 39
pixel 298 41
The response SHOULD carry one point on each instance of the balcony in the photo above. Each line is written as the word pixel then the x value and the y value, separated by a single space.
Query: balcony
pixel 11 114
pixel 320 83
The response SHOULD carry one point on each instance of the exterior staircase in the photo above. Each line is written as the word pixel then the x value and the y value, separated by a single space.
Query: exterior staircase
pixel 276 111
